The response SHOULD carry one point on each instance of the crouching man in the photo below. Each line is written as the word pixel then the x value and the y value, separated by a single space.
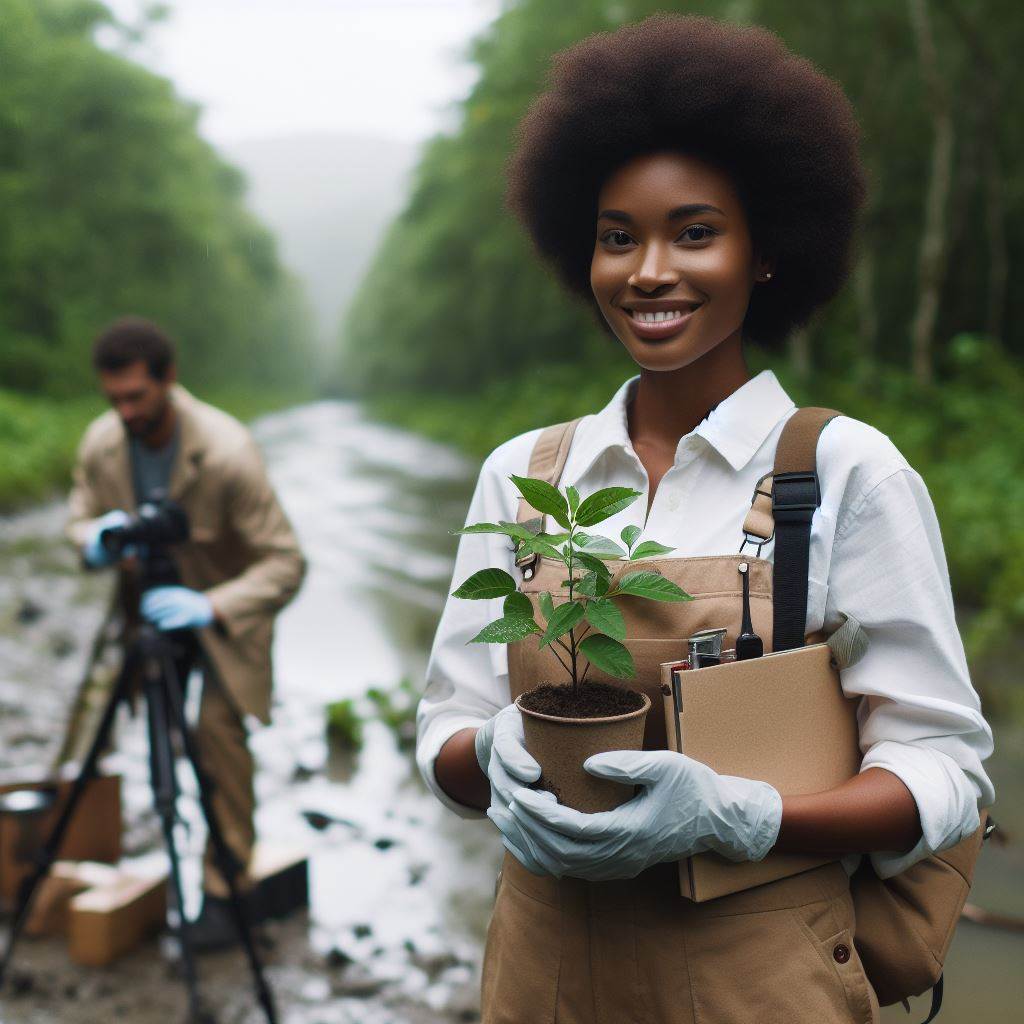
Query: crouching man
pixel 239 567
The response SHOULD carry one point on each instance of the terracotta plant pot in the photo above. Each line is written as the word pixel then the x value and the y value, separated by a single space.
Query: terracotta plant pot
pixel 561 745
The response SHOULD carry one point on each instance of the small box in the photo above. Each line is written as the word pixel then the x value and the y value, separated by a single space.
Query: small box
pixel 111 920
pixel 280 881
pixel 49 914
pixel 94 833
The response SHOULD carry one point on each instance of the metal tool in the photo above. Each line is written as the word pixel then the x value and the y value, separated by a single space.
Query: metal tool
pixel 705 647
pixel 748 643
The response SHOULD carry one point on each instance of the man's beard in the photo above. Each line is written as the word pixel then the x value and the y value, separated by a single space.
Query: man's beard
pixel 143 427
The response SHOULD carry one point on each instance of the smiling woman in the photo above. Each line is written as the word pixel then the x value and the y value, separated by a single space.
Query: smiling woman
pixel 700 184
pixel 762 128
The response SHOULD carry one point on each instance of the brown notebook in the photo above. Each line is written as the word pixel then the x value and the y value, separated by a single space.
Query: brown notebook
pixel 781 719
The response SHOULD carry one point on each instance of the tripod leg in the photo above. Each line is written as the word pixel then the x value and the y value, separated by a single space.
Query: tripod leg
pixel 226 860
pixel 48 854
pixel 165 792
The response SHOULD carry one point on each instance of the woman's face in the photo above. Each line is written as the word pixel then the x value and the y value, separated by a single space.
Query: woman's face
pixel 673 264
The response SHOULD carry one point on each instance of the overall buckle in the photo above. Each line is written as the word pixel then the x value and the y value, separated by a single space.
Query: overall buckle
pixel 795 496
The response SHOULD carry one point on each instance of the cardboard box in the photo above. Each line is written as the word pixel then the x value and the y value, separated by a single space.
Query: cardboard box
pixel 110 920
pixel 280 881
pixel 94 833
pixel 49 914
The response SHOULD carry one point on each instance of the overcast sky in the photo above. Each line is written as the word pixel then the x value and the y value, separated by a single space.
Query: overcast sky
pixel 262 68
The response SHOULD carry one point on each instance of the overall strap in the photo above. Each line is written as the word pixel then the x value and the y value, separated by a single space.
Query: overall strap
pixel 795 495
pixel 546 463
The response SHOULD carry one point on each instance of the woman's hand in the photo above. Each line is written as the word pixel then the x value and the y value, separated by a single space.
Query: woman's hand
pixel 683 808
pixel 504 759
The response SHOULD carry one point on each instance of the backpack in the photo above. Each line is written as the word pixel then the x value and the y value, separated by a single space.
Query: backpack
pixel 905 924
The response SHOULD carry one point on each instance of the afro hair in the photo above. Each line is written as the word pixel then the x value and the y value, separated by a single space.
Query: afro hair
pixel 732 95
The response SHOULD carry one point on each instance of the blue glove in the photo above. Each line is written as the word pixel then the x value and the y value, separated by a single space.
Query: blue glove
pixel 684 808
pixel 504 759
pixel 177 608
pixel 95 554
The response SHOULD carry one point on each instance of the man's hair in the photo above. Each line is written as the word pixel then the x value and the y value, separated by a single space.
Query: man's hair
pixel 132 339
pixel 731 95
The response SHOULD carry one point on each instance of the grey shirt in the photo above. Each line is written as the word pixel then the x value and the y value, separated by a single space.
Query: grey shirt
pixel 151 467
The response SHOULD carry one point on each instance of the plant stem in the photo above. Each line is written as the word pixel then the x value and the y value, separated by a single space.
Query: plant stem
pixel 560 660
pixel 572 633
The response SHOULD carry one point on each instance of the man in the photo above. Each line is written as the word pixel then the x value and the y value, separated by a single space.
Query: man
pixel 240 566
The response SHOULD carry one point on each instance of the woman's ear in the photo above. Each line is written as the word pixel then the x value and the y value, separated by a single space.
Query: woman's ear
pixel 765 269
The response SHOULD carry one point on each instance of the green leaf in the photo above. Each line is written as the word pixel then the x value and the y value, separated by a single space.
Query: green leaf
pixel 652 586
pixel 608 655
pixel 486 583
pixel 605 503
pixel 554 538
pixel 601 547
pixel 574 499
pixel 592 563
pixel 547 606
pixel 540 547
pixel 567 616
pixel 506 631
pixel 606 618
pixel 629 535
pixel 592 585
pixel 544 498
pixel 649 549
pixel 508 529
pixel 518 606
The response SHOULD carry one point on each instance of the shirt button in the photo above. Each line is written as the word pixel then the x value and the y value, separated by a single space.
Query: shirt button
pixel 841 954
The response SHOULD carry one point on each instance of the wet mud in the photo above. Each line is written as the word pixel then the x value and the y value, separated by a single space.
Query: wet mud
pixel 400 888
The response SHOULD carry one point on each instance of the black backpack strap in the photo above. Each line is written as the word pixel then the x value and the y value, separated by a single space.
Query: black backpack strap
pixel 936 1001
pixel 795 496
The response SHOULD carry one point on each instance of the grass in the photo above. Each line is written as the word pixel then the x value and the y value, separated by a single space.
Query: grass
pixel 39 436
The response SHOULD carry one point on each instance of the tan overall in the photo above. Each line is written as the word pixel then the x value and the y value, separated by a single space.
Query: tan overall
pixel 577 952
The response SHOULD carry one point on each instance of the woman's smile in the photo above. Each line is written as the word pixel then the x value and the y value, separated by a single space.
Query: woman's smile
pixel 655 321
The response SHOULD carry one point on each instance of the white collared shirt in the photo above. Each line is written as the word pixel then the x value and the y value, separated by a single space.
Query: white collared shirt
pixel 876 554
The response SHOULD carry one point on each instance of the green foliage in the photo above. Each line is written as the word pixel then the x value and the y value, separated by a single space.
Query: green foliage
pixel 344 725
pixel 113 204
pixel 396 709
pixel 39 435
pixel 469 303
pixel 590 583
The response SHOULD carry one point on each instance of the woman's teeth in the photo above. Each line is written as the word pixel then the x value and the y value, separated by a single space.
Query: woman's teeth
pixel 656 318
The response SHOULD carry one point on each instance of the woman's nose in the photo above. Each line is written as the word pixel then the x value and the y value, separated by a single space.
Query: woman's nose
pixel 655 268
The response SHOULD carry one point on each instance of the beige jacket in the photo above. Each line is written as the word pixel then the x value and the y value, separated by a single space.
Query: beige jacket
pixel 243 553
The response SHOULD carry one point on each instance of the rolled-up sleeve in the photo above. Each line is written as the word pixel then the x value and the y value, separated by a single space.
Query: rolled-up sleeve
pixel 920 718
pixel 467 683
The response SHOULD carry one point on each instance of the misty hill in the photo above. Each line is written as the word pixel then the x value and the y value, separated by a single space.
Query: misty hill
pixel 328 198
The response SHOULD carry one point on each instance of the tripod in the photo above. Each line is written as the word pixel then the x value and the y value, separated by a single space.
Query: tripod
pixel 154 658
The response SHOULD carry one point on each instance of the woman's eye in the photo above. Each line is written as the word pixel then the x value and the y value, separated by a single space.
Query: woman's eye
pixel 697 233
pixel 616 238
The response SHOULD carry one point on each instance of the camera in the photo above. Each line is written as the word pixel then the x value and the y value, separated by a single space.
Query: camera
pixel 155 525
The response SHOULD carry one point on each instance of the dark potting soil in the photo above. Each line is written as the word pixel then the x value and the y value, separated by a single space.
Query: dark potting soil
pixel 590 700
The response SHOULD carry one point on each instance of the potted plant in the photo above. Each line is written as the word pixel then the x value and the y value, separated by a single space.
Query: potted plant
pixel 566 722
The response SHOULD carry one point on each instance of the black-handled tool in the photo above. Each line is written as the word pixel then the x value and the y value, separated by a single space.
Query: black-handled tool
pixel 748 643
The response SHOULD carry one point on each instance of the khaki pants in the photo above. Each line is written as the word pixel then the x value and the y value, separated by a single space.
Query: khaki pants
pixel 636 952
pixel 224 753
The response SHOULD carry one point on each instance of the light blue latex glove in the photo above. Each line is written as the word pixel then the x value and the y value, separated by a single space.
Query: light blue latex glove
pixel 504 759
pixel 684 808
pixel 95 554
pixel 176 608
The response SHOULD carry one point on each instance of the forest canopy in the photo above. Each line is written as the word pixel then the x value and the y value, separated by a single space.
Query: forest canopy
pixel 113 204
pixel 933 84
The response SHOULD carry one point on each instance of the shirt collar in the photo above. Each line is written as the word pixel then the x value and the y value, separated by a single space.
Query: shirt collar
pixel 736 428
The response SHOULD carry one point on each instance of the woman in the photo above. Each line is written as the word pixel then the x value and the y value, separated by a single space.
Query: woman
pixel 700 185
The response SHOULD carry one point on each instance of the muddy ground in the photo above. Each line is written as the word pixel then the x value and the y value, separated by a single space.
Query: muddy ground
pixel 400 888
